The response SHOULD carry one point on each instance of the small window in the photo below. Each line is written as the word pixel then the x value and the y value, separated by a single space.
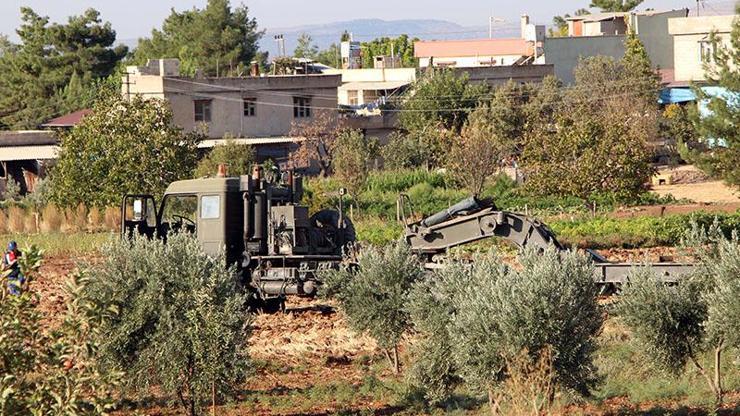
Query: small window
pixel 707 51
pixel 301 107
pixel 210 207
pixel 202 111
pixel 352 95
pixel 250 105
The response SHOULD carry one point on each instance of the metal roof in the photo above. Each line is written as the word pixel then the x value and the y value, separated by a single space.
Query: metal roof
pixel 8 154
pixel 374 85
pixel 208 143
pixel 68 120
pixel 28 138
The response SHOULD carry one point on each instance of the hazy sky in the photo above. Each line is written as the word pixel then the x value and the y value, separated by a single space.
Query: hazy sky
pixel 136 18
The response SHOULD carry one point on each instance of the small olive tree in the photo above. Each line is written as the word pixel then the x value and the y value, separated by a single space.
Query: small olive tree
pixel 52 371
pixel 179 320
pixel 374 295
pixel 679 324
pixel 492 318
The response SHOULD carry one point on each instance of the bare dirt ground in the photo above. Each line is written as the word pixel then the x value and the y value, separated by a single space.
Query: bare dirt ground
pixel 690 183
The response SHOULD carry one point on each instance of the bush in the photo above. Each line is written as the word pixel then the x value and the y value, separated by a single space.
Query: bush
pixel 178 325
pixel 12 190
pixel 678 324
pixel 52 372
pixel 484 306
pixel 374 296
pixel 238 159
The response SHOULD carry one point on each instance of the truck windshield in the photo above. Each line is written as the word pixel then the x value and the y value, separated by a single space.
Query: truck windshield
pixel 179 211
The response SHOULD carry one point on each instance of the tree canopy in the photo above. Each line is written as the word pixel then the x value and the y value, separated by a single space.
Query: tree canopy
pixel 615 5
pixel 122 147
pixel 50 61
pixel 216 39
pixel 401 47
pixel 306 48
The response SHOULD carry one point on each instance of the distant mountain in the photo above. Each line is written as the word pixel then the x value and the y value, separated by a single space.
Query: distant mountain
pixel 368 29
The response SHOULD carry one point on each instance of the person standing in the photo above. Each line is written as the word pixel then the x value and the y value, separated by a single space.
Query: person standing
pixel 12 269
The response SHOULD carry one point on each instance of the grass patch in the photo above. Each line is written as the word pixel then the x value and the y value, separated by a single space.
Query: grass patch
pixel 61 243
pixel 605 232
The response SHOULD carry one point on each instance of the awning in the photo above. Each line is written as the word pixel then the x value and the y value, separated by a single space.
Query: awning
pixel 676 95
pixel 8 154
pixel 209 143
pixel 374 86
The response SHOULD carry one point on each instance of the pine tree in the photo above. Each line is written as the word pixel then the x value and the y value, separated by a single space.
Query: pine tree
pixel 615 5
pixel 37 69
pixel 306 48
pixel 216 39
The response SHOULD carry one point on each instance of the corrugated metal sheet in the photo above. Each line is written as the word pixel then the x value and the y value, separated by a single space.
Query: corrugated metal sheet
pixel 8 154
pixel 375 86
pixel 206 144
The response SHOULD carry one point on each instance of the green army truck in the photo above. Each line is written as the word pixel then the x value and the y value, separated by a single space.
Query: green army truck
pixel 258 223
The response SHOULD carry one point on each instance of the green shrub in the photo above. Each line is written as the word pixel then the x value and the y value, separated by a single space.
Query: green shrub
pixel 237 158
pixel 180 321
pixel 374 295
pixel 52 372
pixel 679 324
pixel 483 308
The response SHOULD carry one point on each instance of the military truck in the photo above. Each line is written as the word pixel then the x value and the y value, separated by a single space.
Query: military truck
pixel 257 221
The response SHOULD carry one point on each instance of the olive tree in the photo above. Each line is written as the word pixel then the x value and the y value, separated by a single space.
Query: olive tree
pixel 179 320
pixel 677 325
pixel 373 295
pixel 45 371
pixel 480 311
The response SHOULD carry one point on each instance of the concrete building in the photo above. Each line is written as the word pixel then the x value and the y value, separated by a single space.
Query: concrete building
pixel 260 111
pixel 693 46
pixel 483 52
pixel 366 86
pixel 604 34
pixel 257 107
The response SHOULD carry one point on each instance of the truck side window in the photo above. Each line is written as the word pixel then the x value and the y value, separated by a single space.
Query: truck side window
pixel 210 207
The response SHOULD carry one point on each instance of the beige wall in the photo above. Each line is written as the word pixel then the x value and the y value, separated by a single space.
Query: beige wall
pixel 274 101
pixel 687 33
pixel 471 61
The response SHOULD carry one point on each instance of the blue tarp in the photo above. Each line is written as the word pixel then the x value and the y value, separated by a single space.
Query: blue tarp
pixel 676 95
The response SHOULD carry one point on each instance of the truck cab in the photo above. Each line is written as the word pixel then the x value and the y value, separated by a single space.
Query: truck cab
pixel 257 222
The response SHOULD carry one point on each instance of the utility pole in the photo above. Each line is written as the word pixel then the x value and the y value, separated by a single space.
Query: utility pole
pixel 491 20
pixel 128 84
pixel 280 44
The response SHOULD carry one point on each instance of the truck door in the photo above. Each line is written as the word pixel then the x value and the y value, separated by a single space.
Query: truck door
pixel 139 216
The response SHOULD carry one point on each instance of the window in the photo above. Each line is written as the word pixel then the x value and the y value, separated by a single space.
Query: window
pixel 179 209
pixel 202 111
pixel 707 50
pixel 352 96
pixel 301 107
pixel 210 207
pixel 249 106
